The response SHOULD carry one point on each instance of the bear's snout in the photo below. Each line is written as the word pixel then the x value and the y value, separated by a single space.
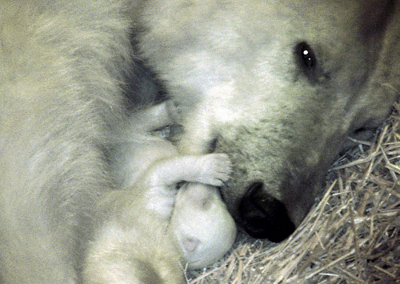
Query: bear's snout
pixel 264 216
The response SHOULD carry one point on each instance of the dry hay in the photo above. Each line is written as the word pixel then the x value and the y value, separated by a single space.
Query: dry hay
pixel 351 236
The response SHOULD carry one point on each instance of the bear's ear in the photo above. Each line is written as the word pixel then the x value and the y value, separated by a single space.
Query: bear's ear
pixel 384 84
pixel 376 16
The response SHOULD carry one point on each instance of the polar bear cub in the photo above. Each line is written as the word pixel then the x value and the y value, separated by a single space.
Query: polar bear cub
pixel 182 189
pixel 168 213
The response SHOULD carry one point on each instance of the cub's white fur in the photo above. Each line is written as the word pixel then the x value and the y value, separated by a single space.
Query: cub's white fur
pixel 197 219
pixel 202 226
pixel 149 226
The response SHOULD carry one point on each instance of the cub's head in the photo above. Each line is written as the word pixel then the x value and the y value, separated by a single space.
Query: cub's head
pixel 277 85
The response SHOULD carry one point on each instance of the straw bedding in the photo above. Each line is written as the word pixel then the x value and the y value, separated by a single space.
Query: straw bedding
pixel 351 235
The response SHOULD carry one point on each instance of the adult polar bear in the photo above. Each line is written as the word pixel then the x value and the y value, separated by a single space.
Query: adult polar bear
pixel 276 84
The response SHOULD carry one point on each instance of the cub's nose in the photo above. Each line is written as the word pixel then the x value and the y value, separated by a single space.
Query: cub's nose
pixel 264 216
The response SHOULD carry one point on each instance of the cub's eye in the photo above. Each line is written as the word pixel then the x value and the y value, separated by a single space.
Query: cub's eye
pixel 180 184
pixel 305 58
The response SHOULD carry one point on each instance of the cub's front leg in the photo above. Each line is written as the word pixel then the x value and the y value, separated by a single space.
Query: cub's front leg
pixel 212 169
pixel 163 177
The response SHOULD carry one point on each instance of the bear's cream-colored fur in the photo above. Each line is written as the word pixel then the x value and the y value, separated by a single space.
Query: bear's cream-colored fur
pixel 61 68
pixel 276 85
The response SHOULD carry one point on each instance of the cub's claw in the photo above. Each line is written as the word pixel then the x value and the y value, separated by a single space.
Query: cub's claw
pixel 215 169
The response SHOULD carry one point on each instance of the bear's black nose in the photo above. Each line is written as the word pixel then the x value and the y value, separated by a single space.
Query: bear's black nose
pixel 264 216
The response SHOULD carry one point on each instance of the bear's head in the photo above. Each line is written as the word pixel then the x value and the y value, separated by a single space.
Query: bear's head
pixel 277 85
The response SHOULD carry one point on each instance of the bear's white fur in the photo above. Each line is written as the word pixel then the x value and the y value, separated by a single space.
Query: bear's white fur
pixel 277 85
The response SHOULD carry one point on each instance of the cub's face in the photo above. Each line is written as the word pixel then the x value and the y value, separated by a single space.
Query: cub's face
pixel 276 85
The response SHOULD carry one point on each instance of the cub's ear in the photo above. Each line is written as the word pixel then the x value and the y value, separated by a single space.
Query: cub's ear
pixel 384 84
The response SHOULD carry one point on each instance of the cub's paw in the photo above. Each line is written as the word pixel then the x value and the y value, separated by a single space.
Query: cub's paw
pixel 214 169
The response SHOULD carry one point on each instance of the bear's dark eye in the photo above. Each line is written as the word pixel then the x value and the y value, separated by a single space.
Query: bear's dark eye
pixel 306 58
